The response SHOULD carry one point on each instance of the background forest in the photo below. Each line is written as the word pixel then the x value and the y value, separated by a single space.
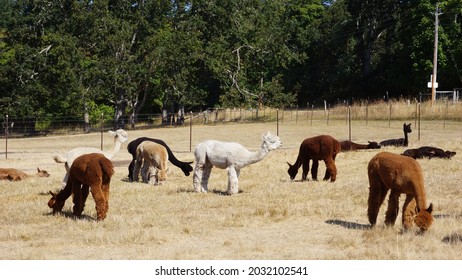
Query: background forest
pixel 64 58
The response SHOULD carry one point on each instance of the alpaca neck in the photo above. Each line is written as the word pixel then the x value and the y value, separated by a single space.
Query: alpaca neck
pixel 406 140
pixel 110 155
pixel 421 202
pixel 259 155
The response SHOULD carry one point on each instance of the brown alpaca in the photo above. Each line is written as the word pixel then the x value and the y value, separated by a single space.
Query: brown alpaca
pixel 322 147
pixel 17 175
pixel 352 146
pixel 154 158
pixel 89 172
pixel 400 174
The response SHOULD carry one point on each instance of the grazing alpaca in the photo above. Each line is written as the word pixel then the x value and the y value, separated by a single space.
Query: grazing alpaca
pixel 120 137
pixel 428 152
pixel 400 142
pixel 131 147
pixel 89 172
pixel 322 147
pixel 229 155
pixel 17 175
pixel 352 146
pixel 154 158
pixel 399 174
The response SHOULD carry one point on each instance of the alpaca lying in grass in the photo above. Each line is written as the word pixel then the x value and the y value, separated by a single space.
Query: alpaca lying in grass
pixel 428 152
pixel 322 147
pixel 399 142
pixel 88 173
pixel 230 155
pixel 131 147
pixel 154 158
pixel 120 137
pixel 399 175
pixel 352 146
pixel 13 174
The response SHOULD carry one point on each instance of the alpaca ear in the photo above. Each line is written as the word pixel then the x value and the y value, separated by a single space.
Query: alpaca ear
pixel 290 165
pixel 52 194
pixel 430 208
pixel 112 132
pixel 38 170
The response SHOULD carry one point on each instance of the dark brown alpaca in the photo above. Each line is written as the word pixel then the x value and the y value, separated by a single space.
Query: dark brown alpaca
pixel 400 142
pixel 13 174
pixel 352 146
pixel 322 147
pixel 399 175
pixel 428 152
pixel 89 172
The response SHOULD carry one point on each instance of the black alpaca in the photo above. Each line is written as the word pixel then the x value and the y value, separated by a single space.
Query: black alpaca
pixel 428 152
pixel 131 147
pixel 400 142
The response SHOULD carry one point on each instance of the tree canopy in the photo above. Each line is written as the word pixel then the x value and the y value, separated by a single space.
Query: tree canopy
pixel 125 58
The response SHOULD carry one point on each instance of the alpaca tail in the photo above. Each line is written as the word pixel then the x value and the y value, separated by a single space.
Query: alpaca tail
pixel 108 169
pixel 59 158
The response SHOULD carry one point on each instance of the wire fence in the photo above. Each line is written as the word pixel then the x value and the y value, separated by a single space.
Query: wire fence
pixel 445 112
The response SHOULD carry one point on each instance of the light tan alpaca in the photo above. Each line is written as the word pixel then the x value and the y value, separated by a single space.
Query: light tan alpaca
pixel 154 158
pixel 120 137
pixel 401 175
pixel 17 175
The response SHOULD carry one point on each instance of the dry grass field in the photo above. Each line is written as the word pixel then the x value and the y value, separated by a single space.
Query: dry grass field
pixel 270 218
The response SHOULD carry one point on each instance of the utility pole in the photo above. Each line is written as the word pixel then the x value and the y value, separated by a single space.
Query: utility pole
pixel 435 56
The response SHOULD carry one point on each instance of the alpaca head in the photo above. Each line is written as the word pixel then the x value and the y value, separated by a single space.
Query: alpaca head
pixel 373 145
pixel 161 175
pixel 407 128
pixel 292 171
pixel 450 154
pixel 120 134
pixel 424 218
pixel 272 141
pixel 54 203
pixel 42 173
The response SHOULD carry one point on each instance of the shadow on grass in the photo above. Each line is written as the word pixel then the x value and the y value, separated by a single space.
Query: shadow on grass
pixel 70 215
pixel 349 225
pixel 218 192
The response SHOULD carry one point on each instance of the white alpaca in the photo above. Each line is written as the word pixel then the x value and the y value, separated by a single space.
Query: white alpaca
pixel 154 158
pixel 229 155
pixel 120 136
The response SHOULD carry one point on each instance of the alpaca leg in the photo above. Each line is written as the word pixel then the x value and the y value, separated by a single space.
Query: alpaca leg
pixel 377 194
pixel 64 182
pixel 131 166
pixel 152 175
pixel 105 190
pixel 201 176
pixel 233 181
pixel 314 170
pixel 331 170
pixel 206 175
pixel 145 172
pixel 85 191
pixel 100 204
pixel 305 168
pixel 197 176
pixel 77 199
pixel 409 211
pixel 136 169
pixel 393 208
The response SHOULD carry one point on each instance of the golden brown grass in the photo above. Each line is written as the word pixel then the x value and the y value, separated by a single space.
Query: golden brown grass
pixel 271 218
